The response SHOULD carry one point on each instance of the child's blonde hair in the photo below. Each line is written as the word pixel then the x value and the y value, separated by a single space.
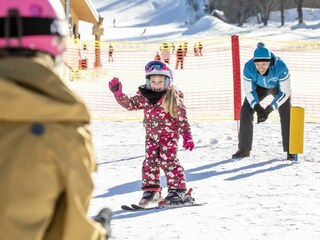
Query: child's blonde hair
pixel 172 100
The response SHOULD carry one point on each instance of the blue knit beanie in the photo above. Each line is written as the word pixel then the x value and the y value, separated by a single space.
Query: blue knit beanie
pixel 261 53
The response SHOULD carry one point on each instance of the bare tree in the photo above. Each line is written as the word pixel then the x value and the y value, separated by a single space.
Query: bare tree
pixel 264 7
pixel 299 9
pixel 240 12
pixel 231 11
pixel 237 11
pixel 211 6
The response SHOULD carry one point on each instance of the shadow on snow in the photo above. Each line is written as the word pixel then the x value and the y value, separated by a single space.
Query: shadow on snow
pixel 204 172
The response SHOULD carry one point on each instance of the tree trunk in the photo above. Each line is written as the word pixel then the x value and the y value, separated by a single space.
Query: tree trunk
pixel 282 13
pixel 299 9
pixel 265 8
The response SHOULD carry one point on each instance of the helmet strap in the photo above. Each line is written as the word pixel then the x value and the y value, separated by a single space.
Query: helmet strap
pixel 148 83
pixel 167 82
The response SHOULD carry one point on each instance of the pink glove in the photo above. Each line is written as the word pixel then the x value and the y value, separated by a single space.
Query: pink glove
pixel 115 86
pixel 188 143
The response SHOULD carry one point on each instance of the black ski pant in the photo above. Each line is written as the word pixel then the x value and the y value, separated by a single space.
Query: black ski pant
pixel 246 120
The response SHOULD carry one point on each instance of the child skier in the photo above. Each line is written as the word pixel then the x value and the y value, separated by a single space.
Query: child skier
pixel 164 120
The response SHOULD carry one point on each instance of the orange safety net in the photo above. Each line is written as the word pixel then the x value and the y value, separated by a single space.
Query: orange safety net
pixel 207 77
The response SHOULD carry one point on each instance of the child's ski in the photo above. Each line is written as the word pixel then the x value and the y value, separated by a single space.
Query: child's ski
pixel 135 207
pixel 127 208
pixel 189 202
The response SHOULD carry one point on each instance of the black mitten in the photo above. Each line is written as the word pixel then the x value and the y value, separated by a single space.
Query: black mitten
pixel 267 111
pixel 260 113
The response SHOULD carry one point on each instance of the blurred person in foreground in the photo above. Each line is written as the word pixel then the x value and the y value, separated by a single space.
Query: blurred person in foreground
pixel 47 156
pixel 263 75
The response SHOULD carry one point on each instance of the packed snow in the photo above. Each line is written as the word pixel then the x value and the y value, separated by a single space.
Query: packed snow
pixel 263 196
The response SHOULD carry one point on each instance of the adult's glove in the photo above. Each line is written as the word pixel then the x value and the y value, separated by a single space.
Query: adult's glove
pixel 267 111
pixel 188 143
pixel 115 86
pixel 262 113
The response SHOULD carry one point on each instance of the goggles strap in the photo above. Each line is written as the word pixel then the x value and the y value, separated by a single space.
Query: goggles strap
pixel 13 18
pixel 16 26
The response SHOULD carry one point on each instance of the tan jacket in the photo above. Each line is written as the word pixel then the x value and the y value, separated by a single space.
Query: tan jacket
pixel 46 156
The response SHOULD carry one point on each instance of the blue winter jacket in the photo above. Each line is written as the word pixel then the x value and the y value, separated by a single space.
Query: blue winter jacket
pixel 277 77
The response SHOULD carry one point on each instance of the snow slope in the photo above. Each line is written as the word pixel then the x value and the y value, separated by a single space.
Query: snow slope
pixel 171 20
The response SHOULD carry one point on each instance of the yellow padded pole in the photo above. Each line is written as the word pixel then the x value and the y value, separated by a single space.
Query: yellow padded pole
pixel 296 138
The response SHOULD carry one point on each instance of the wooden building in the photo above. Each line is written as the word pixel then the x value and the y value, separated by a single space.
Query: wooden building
pixel 83 10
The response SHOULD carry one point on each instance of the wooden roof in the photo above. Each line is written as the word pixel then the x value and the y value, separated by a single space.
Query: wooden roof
pixel 85 10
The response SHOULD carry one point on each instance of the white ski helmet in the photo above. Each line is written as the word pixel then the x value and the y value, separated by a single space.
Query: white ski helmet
pixel 158 68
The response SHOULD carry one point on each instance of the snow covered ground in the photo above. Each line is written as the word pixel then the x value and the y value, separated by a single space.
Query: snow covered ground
pixel 260 197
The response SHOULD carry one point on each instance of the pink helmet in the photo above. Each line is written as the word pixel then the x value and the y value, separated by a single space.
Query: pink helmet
pixel 33 24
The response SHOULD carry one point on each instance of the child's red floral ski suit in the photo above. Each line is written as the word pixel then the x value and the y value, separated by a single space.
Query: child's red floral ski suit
pixel 162 135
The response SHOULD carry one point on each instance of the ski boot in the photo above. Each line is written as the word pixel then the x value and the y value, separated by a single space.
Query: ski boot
pixel 292 157
pixel 241 154
pixel 177 197
pixel 150 198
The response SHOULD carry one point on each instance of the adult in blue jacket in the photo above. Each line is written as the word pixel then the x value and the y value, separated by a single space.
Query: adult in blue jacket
pixel 263 75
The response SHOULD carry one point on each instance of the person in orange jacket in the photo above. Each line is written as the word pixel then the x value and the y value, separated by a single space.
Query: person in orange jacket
pixel 180 57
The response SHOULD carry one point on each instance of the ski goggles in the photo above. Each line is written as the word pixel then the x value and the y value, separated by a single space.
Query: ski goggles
pixel 156 65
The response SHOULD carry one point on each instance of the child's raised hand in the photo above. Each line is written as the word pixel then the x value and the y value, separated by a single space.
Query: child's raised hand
pixel 115 86
pixel 188 143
